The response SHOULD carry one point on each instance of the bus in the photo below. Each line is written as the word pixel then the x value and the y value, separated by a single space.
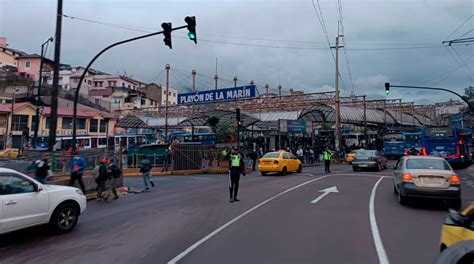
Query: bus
pixel 203 138
pixel 452 143
pixel 394 145
pixel 412 140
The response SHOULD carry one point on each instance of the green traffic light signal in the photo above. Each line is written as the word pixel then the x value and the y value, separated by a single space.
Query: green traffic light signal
pixel 191 36
pixel 387 88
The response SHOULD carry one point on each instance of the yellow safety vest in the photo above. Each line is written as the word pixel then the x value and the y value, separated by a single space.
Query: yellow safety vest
pixel 235 161
pixel 326 155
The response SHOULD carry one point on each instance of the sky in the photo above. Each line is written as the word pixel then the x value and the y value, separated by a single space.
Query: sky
pixel 268 41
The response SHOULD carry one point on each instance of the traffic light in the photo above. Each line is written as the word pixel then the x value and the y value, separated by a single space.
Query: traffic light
pixel 237 116
pixel 387 88
pixel 191 21
pixel 167 34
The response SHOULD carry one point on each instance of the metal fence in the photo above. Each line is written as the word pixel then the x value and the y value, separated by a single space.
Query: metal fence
pixel 182 157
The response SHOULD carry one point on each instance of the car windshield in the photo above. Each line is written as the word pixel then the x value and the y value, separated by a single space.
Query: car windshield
pixel 365 153
pixel 272 155
pixel 433 164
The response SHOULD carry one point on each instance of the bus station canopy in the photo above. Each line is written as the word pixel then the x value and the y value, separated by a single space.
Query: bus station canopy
pixel 227 118
pixel 318 113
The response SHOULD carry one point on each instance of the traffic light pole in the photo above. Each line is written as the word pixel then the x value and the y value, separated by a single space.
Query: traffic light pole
pixel 432 88
pixel 76 97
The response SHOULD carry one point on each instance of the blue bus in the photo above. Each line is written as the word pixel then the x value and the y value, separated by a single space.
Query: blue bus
pixel 204 138
pixel 452 143
pixel 412 140
pixel 393 145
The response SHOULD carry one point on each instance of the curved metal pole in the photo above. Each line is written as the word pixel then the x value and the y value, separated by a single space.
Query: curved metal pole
pixel 435 88
pixel 76 96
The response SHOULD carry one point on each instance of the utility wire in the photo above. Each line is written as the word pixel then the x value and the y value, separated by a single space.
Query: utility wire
pixel 444 75
pixel 344 43
pixel 460 26
pixel 415 46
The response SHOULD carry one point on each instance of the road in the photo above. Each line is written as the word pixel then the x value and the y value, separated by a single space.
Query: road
pixel 188 219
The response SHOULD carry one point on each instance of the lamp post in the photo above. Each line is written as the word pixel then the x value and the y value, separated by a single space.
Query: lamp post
pixel 38 94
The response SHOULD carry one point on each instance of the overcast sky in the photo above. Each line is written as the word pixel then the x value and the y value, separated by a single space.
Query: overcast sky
pixel 287 44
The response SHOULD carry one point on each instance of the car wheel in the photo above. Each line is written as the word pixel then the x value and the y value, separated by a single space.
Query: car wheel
pixel 263 173
pixel 395 190
pixel 379 167
pixel 283 172
pixel 401 199
pixel 64 218
pixel 354 168
pixel 300 169
pixel 456 204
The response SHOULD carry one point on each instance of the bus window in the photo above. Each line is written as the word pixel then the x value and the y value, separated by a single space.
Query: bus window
pixel 439 132
pixel 393 137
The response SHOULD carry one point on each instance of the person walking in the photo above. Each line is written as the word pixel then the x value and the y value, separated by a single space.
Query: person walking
pixel 114 175
pixel 236 167
pixel 311 156
pixel 145 168
pixel 166 159
pixel 299 154
pixel 101 180
pixel 253 157
pixel 41 169
pixel 77 167
pixel 327 154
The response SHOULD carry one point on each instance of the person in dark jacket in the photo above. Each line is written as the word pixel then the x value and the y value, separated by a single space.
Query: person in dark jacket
pixel 236 167
pixel 114 175
pixel 41 169
pixel 77 167
pixel 101 180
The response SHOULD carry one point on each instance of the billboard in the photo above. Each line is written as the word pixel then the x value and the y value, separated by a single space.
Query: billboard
pixel 225 94
pixel 295 126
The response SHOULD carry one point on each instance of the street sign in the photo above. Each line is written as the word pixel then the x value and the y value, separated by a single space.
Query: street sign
pixel 295 126
pixel 225 94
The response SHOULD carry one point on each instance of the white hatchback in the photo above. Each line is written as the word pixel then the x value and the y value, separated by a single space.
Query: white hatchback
pixel 25 202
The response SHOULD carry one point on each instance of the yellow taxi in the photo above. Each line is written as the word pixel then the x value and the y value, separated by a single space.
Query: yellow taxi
pixel 458 227
pixel 351 156
pixel 9 153
pixel 279 161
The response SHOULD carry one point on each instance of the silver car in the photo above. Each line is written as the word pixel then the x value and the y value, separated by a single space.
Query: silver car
pixel 426 177
pixel 369 159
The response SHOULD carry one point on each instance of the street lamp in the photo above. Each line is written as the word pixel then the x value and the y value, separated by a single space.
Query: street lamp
pixel 38 93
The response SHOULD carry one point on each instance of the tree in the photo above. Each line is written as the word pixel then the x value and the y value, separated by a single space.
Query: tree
pixel 213 121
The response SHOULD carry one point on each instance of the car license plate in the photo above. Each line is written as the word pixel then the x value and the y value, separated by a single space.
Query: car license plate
pixel 432 180
pixel 440 147
pixel 363 165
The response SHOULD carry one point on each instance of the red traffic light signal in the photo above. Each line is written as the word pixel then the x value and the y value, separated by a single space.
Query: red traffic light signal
pixel 191 21
pixel 167 28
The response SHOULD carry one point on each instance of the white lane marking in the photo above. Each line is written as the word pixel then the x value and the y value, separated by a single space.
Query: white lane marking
pixel 215 232
pixel 325 192
pixel 364 175
pixel 373 226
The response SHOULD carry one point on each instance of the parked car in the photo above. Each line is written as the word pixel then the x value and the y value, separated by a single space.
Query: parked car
pixel 279 161
pixel 25 202
pixel 426 177
pixel 11 153
pixel 369 159
pixel 457 227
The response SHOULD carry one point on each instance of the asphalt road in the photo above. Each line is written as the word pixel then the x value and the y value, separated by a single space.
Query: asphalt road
pixel 188 219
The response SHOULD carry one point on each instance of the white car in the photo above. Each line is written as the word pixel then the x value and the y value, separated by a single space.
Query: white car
pixel 25 202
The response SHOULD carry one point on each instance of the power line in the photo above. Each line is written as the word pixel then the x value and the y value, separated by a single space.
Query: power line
pixel 344 43
pixel 460 26
pixel 416 46
pixel 446 74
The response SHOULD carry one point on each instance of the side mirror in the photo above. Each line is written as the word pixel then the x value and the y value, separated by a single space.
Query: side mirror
pixel 392 167
pixel 38 187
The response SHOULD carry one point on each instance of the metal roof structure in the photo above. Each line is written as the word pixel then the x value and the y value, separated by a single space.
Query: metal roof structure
pixel 225 117
pixel 318 113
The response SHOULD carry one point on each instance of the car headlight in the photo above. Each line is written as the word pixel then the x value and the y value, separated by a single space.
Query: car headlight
pixel 79 192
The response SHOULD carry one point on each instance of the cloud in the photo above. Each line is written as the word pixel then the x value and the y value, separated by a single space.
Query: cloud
pixel 368 25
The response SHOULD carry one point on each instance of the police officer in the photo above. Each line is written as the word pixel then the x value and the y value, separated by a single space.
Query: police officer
pixel 236 167
pixel 327 159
